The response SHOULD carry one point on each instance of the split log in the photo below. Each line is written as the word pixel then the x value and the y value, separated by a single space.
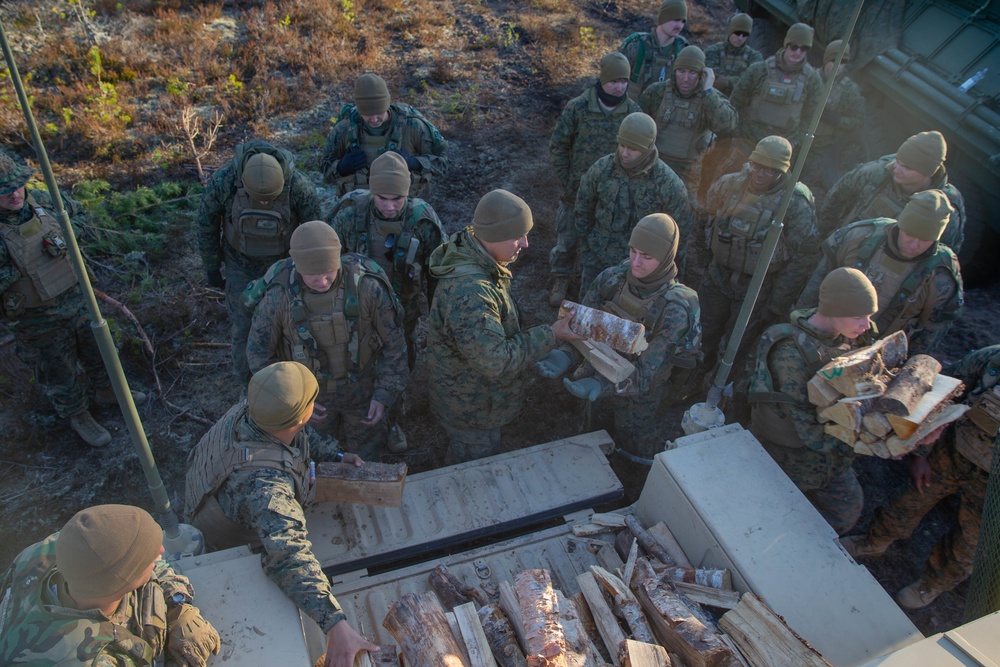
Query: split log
pixel 712 578
pixel 588 529
pixel 629 569
pixel 452 590
pixel 943 389
pixel 666 539
pixel 456 632
pixel 544 640
pixel 580 648
pixel 626 336
pixel 609 559
pixel 584 616
pixel 821 393
pixel 386 656
pixel 945 414
pixel 626 604
pixel 608 519
pixel 510 606
pixel 764 638
pixel 848 411
pixel 877 424
pixel 478 647
pixel 605 360
pixel 708 596
pixel 607 625
pixel 500 635
pixel 371 484
pixel 639 654
pixel 418 624
pixel 914 380
pixel 866 365
pixel 650 545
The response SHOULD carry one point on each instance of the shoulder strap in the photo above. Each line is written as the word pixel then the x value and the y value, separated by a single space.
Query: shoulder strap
pixel 762 384
pixel 687 351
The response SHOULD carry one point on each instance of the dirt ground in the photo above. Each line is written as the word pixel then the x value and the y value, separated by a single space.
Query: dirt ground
pixel 47 474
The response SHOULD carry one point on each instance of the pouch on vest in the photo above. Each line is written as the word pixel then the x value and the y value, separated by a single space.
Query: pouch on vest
pixel 985 412
pixel 263 233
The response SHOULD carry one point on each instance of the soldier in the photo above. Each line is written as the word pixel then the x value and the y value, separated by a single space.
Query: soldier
pixel 689 113
pixel 249 478
pixel 882 187
pixel 477 353
pixel 43 306
pixel 619 190
pixel 373 125
pixel 644 289
pixel 651 54
pixel 585 131
pixel 783 419
pixel 729 59
pixel 740 208
pixel 248 212
pixel 98 593
pixel 917 277
pixel 960 463
pixel 338 315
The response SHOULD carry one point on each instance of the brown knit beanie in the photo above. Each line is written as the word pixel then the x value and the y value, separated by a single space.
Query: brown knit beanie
pixel 13 175
pixel 315 248
pixel 671 10
pixel 388 176
pixel 263 177
pixel 799 33
pixel 690 57
pixel 371 95
pixel 280 394
pixel 501 216
pixel 924 152
pixel 637 131
pixel 774 152
pixel 832 49
pixel 926 215
pixel 614 66
pixel 102 550
pixel 656 235
pixel 740 23
pixel 846 292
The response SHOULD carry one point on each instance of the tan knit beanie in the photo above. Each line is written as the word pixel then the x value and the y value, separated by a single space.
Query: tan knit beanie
pixel 926 215
pixel 740 23
pixel 614 66
pixel 924 152
pixel 371 95
pixel 315 248
pixel 102 550
pixel 388 176
pixel 656 235
pixel 774 152
pixel 846 292
pixel 799 33
pixel 637 131
pixel 501 216
pixel 280 394
pixel 263 177
pixel 832 49
pixel 690 57
pixel 671 10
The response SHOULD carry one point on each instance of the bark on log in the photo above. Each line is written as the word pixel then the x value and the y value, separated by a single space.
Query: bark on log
pixel 646 542
pixel 910 384
pixel 544 639
pixel 632 653
pixel 708 596
pixel 625 603
pixel 626 336
pixel 452 590
pixel 501 637
pixel 510 606
pixel 580 648
pixel 418 625
pixel 764 638
pixel 666 539
pixel 943 390
pixel 372 484
pixel 865 365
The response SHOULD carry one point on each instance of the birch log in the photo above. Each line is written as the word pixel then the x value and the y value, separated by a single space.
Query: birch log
pixel 418 625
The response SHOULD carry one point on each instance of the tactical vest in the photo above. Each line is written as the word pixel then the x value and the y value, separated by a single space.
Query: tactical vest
pixel 650 64
pixel 975 433
pixel 223 452
pixel 737 233
pixel 38 251
pixel 733 62
pixel 31 623
pixel 825 128
pixel 879 200
pixel 375 144
pixel 678 122
pixel 779 105
pixel 260 232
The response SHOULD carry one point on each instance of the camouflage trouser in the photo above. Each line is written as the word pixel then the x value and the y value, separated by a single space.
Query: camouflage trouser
pixel 636 424
pixel 52 353
pixel 690 173
pixel 469 444
pixel 237 276
pixel 952 557
pixel 720 307
pixel 346 406
pixel 591 266
pixel 562 257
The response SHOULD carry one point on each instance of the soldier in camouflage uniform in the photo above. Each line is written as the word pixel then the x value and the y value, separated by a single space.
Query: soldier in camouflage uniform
pixel 959 463
pixel 740 208
pixel 249 209
pixel 917 277
pixel 729 59
pixel 689 113
pixel 881 188
pixel 644 289
pixel 338 315
pixel 651 54
pixel 477 353
pixel 619 190
pixel 249 478
pixel 373 125
pixel 585 131
pixel 783 419
pixel 43 306
pixel 97 593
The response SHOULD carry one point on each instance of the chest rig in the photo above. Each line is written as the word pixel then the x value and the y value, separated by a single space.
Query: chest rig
pixel 779 104
pixel 678 121
pixel 737 233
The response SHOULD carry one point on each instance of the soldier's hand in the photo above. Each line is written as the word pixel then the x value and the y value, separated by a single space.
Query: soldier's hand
pixel 587 388
pixel 709 77
pixel 190 638
pixel 343 643
pixel 213 277
pixel 376 411
pixel 562 330
pixel 319 413
pixel 353 458
pixel 351 162
pixel 920 473
pixel 554 364
pixel 412 163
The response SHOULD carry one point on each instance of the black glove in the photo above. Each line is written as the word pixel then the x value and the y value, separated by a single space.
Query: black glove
pixel 351 162
pixel 831 116
pixel 214 278
pixel 412 163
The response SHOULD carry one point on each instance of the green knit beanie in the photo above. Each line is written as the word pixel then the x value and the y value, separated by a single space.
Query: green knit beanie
pixel 656 235
pixel 740 23
pixel 799 33
pixel 614 66
pixel 926 215
pixel 637 131
pixel 501 216
pixel 846 292
pixel 774 152
pixel 371 95
pixel 924 152
pixel 690 57
pixel 263 177
pixel 671 10
pixel 832 49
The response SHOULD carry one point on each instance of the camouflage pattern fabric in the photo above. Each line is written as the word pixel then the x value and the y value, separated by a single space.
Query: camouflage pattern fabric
pixel 856 197
pixel 470 444
pixel 837 145
pixel 641 49
pixel 478 356
pixel 729 63
pixel 609 203
pixel 753 83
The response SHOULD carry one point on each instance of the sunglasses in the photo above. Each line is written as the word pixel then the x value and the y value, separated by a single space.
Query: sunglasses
pixel 740 33
pixel 797 47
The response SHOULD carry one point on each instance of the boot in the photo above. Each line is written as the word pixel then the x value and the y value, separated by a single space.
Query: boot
pixel 105 396
pixel 918 595
pixel 558 292
pixel 397 440
pixel 864 545
pixel 87 428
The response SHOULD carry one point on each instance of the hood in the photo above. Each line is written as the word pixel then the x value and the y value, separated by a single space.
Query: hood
pixel 248 148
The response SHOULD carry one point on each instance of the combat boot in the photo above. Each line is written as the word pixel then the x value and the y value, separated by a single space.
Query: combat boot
pixel 864 545
pixel 397 440
pixel 87 428
pixel 105 396
pixel 918 595
pixel 558 292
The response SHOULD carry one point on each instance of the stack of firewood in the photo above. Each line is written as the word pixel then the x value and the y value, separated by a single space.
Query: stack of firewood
pixel 645 607
pixel 881 402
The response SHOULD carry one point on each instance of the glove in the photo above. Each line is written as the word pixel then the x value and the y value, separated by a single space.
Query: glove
pixel 351 162
pixel 587 388
pixel 412 163
pixel 554 364
pixel 190 638
pixel 214 278
pixel 831 116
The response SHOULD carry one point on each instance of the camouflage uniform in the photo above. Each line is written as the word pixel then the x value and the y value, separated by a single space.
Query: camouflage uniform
pixel 477 353
pixel 216 213
pixel 610 203
pixel 960 462
pixel 405 130
pixel 258 498
pixel 785 422
pixel 650 62
pixel 842 117
pixel 868 191
pixel 584 132
pixel 922 296
pixel 40 626
pixel 362 229
pixel 729 63
pixel 357 322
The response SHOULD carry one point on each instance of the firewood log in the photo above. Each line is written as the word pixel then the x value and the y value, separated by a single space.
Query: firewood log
pixel 418 625
pixel 500 635
pixel 607 625
pixel 372 484
pixel 605 360
pixel 625 604
pixel 865 365
pixel 910 384
pixel 764 638
pixel 544 639
pixel 580 648
pixel 626 336
pixel 877 424
pixel 632 653
pixel 452 590
pixel 646 542
pixel 821 393
pixel 666 539
pixel 476 644
pixel 943 389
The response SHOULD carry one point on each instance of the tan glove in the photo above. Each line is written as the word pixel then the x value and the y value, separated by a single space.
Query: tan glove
pixel 190 638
